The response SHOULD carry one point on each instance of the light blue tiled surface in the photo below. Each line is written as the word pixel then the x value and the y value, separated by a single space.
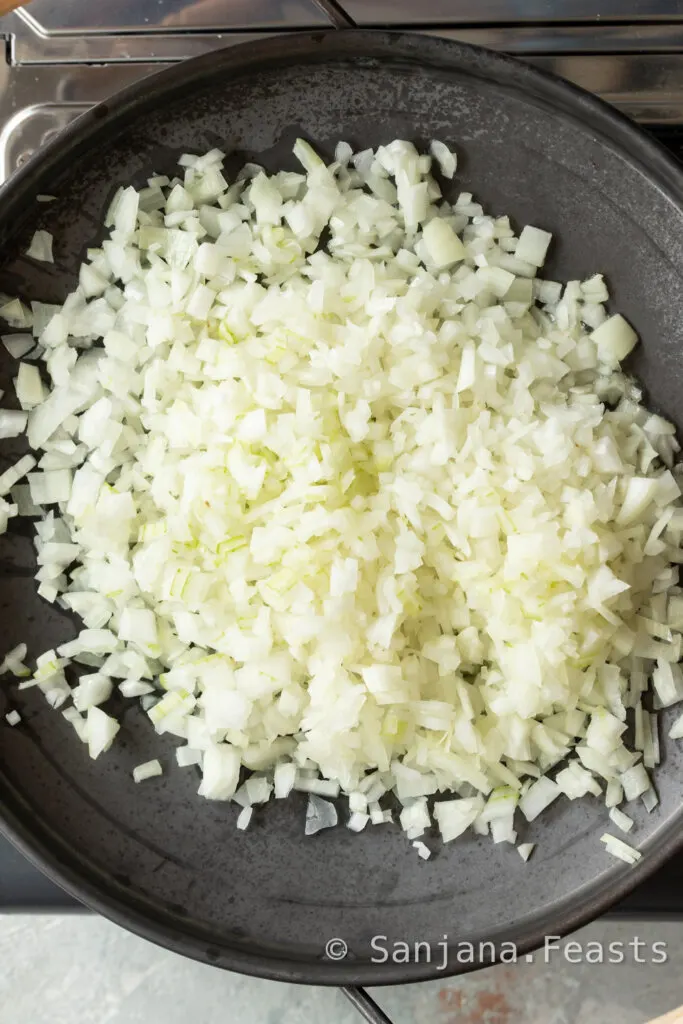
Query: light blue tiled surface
pixel 84 970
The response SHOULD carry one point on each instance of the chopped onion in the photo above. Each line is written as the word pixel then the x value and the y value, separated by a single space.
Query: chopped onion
pixel 244 817
pixel 423 850
pixel 455 816
pixel 220 772
pixel 614 339
pixel 41 247
pixel 618 848
pixel 443 245
pixel 446 160
pixel 29 387
pixel 320 814
pixel 357 821
pixel 186 756
pixel 349 499
pixel 284 779
pixel 12 423
pixel 620 819
pixel 635 782
pixel 91 690
pixel 147 770
pixel 100 731
pixel 539 796
pixel 533 245
pixel 323 787
pixel 650 799
pixel 18 345
pixel 14 662
pixel 415 817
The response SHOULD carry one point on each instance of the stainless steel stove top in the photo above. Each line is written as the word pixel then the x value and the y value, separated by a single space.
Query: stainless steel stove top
pixel 61 56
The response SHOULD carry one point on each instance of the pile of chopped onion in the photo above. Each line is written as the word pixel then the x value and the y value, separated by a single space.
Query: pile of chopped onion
pixel 348 497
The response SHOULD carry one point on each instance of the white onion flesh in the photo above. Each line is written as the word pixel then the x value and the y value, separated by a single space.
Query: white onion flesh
pixel 244 817
pixel 619 849
pixel 380 517
pixel 41 247
pixel 148 770
pixel 12 423
pixel 18 345
pixel 621 820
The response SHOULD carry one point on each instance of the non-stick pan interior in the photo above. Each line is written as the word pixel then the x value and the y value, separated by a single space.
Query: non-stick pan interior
pixel 155 856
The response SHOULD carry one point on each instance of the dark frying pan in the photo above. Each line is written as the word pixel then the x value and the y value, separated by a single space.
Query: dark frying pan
pixel 157 859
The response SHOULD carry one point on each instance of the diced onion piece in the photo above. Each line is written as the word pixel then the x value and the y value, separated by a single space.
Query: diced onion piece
pixel 614 793
pixel 676 730
pixel 306 155
pixel 29 386
pixel 77 722
pixel 423 850
pixel 640 491
pixel 618 848
pixel 41 247
pixel 621 820
pixel 357 821
pixel 15 473
pixel 258 789
pixel 320 814
pixel 186 756
pixel 614 339
pixel 525 850
pixel 220 772
pixel 539 796
pixel 446 160
pixel 101 730
pixel 147 770
pixel 443 245
pixel 18 345
pixel 635 781
pixel 533 245
pixel 92 690
pixel 455 816
pixel 284 779
pixel 14 662
pixel 244 817
pixel 415 817
pixel 575 781
pixel 323 787
pixel 650 799
pixel 12 423
pixel 13 718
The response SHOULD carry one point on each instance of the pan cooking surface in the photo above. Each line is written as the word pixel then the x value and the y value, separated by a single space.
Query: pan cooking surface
pixel 156 857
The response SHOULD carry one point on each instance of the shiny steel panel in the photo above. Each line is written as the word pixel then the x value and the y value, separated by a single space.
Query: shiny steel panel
pixel 450 12
pixel 76 17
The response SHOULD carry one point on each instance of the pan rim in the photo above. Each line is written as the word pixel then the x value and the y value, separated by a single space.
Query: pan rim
pixel 309 47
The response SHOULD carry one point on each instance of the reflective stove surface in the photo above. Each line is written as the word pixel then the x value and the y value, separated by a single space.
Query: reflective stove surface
pixel 78 16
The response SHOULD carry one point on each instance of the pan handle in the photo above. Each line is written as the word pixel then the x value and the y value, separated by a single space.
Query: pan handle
pixel 335 12
pixel 365 1005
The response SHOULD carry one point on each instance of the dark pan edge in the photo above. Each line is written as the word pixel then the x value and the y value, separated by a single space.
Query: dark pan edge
pixel 93 127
